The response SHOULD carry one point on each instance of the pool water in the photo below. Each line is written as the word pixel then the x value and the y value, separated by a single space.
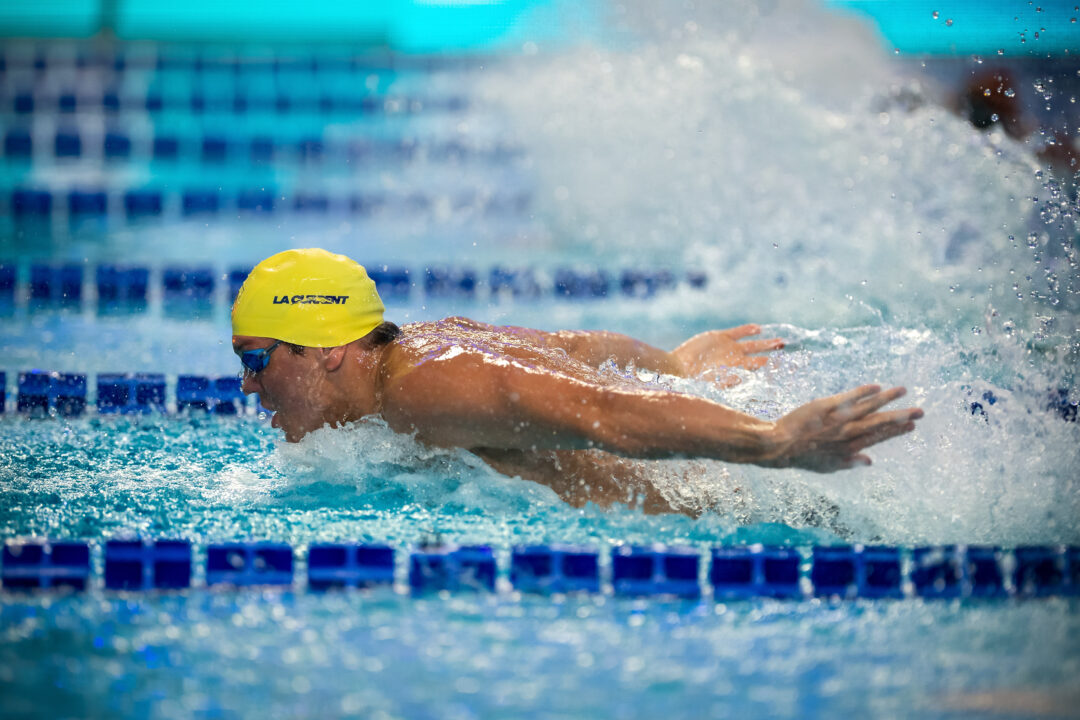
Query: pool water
pixel 882 237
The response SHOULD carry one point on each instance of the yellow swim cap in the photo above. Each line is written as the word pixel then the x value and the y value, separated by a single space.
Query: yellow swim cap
pixel 307 297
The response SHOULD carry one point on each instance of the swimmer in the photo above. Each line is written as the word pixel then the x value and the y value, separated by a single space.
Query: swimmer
pixel 308 327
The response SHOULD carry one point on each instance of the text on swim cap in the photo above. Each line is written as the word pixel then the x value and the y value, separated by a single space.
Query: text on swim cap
pixel 310 299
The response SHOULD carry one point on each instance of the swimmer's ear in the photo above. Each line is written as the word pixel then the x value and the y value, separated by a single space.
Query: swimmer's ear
pixel 332 357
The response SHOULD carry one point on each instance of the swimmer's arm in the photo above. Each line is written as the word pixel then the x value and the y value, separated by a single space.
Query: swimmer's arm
pixel 705 353
pixel 476 405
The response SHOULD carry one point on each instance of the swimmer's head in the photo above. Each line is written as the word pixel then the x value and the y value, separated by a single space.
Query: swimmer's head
pixel 308 297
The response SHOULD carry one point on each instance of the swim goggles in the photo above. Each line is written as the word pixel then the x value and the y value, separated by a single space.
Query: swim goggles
pixel 255 361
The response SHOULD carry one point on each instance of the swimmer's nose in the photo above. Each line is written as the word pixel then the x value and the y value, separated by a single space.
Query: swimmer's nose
pixel 250 384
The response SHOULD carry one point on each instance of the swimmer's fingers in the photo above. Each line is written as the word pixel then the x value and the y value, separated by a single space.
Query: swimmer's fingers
pixel 738 333
pixel 879 428
pixel 751 347
pixel 863 401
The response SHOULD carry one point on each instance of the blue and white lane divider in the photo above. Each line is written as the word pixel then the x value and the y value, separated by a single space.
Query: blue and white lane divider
pixel 44 58
pixel 21 144
pixel 44 394
pixel 232 103
pixel 96 204
pixel 63 284
pixel 725 573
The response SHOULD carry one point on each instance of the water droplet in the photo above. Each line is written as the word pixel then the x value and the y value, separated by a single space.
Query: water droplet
pixel 934 15
pixel 1001 51
pixel 1009 92
pixel 976 330
pixel 948 23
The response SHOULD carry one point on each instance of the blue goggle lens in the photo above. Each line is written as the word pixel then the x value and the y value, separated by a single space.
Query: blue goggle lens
pixel 255 361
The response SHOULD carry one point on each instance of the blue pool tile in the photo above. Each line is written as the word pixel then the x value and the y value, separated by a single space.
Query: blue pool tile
pixel 310 149
pixel 450 282
pixel 110 101
pixel 87 202
pixel 237 276
pixel 191 282
pixel 228 398
pixel 67 144
pixel 1040 571
pixel 393 283
pixel 581 285
pixel 69 393
pixel 44 565
pixel 23 104
pixel 938 572
pixel 982 572
pixel 143 564
pixel 555 569
pixel 201 201
pixel 154 103
pixel 33 392
pixel 655 570
pixel 171 564
pixel 215 149
pixel 26 202
pixel 262 150
pixel 697 279
pixel 834 572
pixel 67 102
pixel 349 566
pixel 192 393
pixel 130 393
pixel 880 574
pixel 141 203
pixel 121 284
pixel 367 203
pixel 8 276
pixel 311 202
pixel 247 564
pixel 755 571
pixel 166 148
pixel 3 392
pixel 255 201
pixel 645 283
pixel 117 145
pixel 18 144
pixel 454 569
pixel 56 283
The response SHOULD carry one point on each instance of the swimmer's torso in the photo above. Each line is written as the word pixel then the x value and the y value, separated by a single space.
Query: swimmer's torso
pixel 577 476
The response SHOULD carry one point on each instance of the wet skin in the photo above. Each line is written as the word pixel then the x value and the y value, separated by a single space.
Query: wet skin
pixel 536 405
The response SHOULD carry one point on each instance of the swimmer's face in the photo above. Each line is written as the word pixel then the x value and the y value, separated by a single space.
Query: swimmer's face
pixel 293 386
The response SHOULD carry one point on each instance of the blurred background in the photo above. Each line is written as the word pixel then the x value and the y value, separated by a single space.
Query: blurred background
pixel 891 186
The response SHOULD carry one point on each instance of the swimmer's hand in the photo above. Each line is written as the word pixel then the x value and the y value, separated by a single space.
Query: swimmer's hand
pixel 709 355
pixel 828 434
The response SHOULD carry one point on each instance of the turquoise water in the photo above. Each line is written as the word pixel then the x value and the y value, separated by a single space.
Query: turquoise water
pixel 886 240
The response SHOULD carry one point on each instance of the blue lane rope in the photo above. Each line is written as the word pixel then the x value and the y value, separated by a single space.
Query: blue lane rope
pixel 82 204
pixel 147 58
pixel 237 103
pixel 129 285
pixel 214 149
pixel 725 573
